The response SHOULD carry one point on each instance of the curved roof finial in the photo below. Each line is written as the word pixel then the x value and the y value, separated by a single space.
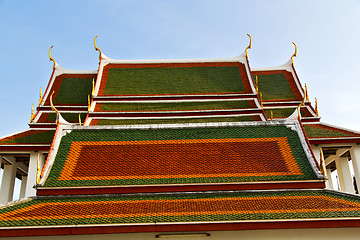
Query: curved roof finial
pixel 32 113
pixel 295 53
pixel 248 47
pixel 51 59
pixel 53 107
pixel 96 48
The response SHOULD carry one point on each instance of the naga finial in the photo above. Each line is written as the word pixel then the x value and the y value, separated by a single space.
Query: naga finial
pixel 32 113
pixel 79 119
pixel 38 171
pixel 51 59
pixel 93 87
pixel 41 98
pixel 96 48
pixel 89 103
pixel 271 115
pixel 54 108
pixel 295 53
pixel 316 107
pixel 248 47
pixel 261 100
pixel 306 93
pixel 256 84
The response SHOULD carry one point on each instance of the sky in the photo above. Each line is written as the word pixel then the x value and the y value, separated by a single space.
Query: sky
pixel 326 32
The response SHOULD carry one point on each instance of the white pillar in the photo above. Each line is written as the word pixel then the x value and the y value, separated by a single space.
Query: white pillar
pixel 343 170
pixel 329 183
pixel 31 178
pixel 355 157
pixel 7 183
pixel 23 187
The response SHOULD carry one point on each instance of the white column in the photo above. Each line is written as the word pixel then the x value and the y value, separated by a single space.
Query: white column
pixel 329 183
pixel 7 183
pixel 345 179
pixel 355 157
pixel 316 151
pixel 23 187
pixel 31 178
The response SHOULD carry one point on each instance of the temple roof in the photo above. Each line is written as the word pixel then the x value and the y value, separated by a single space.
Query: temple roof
pixel 186 210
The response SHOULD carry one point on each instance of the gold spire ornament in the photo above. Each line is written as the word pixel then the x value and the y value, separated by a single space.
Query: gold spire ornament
pixel 51 59
pixel 38 173
pixel 295 53
pixel 248 47
pixel 89 106
pixel 271 115
pixel 32 113
pixel 41 98
pixel 316 107
pixel 96 48
pixel 261 101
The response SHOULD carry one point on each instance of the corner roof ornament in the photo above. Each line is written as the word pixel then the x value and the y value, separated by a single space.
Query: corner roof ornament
pixel 59 119
pixel 248 47
pixel 51 59
pixel 96 48
pixel 295 53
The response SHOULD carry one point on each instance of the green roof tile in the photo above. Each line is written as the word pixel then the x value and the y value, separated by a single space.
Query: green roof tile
pixel 74 91
pixel 275 87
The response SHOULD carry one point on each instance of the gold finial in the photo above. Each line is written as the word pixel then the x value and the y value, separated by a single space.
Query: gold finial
pixel 79 119
pixel 89 103
pixel 261 101
pixel 306 93
pixel 248 47
pixel 316 107
pixel 53 107
pixel 295 53
pixel 271 115
pixel 32 113
pixel 41 98
pixel 38 173
pixel 93 87
pixel 256 84
pixel 51 59
pixel 96 48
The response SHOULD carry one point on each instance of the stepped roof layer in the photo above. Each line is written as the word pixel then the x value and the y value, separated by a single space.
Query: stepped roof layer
pixel 326 133
pixel 28 140
pixel 179 154
pixel 174 79
pixel 136 212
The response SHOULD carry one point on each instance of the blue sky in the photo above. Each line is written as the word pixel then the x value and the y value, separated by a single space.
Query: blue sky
pixel 327 34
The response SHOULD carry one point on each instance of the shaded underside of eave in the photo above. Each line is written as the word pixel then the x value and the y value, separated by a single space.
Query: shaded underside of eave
pixel 205 207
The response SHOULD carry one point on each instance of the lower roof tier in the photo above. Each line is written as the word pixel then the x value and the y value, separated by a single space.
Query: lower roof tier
pixel 181 208
pixel 179 154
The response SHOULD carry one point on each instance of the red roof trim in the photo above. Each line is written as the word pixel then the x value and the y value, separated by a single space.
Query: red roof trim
pixel 180 188
pixel 181 227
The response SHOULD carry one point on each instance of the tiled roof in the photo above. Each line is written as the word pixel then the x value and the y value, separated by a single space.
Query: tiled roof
pixel 71 89
pixel 172 106
pixel 285 112
pixel 97 157
pixel 277 85
pixel 29 137
pixel 325 131
pixel 174 78
pixel 179 208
